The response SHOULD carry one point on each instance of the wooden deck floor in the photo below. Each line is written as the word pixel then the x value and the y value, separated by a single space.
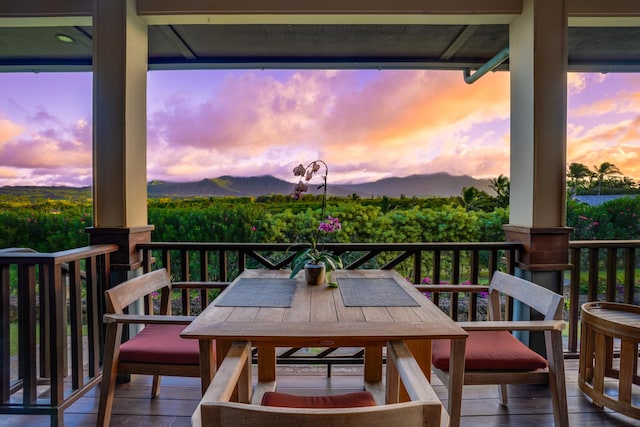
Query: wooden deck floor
pixel 528 405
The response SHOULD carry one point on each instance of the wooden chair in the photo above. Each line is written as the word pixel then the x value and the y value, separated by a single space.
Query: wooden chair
pixel 494 356
pixel 216 410
pixel 156 350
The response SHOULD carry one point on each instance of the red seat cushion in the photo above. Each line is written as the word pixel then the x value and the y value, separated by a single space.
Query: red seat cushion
pixel 161 344
pixel 490 350
pixel 349 400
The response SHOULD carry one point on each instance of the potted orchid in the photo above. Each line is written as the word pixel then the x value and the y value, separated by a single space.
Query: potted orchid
pixel 316 262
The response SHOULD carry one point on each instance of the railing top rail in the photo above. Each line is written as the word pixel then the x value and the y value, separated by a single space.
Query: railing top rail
pixel 578 244
pixel 16 257
pixel 350 246
pixel 17 250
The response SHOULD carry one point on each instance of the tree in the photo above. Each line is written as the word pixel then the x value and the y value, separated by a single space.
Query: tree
pixel 577 174
pixel 626 183
pixel 604 170
pixel 386 205
pixel 501 186
pixel 473 199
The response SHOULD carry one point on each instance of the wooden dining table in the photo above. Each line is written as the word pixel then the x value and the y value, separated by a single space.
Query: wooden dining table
pixel 367 309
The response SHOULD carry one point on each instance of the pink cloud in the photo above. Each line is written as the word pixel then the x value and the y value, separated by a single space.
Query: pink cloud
pixel 257 124
pixel 365 124
pixel 45 151
pixel 9 130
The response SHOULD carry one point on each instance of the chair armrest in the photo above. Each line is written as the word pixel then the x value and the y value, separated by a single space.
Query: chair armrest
pixel 415 382
pixel 228 374
pixel 515 325
pixel 452 288
pixel 148 319
pixel 411 375
pixel 226 378
pixel 262 387
pixel 199 285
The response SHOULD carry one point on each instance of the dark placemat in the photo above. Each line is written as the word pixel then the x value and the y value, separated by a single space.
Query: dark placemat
pixel 374 293
pixel 258 293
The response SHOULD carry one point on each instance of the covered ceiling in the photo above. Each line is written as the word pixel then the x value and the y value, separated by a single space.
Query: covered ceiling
pixel 596 49
pixel 603 36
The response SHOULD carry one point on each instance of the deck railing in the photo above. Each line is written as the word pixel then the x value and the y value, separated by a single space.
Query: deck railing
pixel 601 270
pixel 418 262
pixel 59 328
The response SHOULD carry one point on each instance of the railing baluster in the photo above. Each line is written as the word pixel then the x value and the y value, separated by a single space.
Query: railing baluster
pixel 185 275
pixel 166 260
pixel 242 261
pixel 493 262
pixel 58 334
pixel 593 275
pixel 43 321
pixel 75 317
pixel 455 279
pixel 5 355
pixel 417 267
pixel 93 315
pixel 629 275
pixel 574 300
pixel 222 266
pixel 474 278
pixel 204 264
pixel 437 263
pixel 27 332
pixel 612 279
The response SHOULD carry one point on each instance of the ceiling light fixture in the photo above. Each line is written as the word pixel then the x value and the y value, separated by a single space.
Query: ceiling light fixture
pixel 65 38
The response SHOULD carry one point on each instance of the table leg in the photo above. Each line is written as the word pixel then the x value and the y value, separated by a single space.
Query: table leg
pixel 373 364
pixel 207 367
pixel 244 382
pixel 421 350
pixel 266 363
pixel 456 380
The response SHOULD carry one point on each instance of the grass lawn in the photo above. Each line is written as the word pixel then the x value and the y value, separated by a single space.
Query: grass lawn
pixel 13 336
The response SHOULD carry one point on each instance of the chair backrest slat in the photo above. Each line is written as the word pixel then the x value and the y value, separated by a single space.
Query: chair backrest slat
pixel 120 297
pixel 215 410
pixel 544 301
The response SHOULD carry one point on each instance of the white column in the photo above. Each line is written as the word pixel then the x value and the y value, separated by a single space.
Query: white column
pixel 119 115
pixel 538 70
pixel 538 65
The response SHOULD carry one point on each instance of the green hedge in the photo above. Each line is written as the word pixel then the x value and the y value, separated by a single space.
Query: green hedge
pixel 50 226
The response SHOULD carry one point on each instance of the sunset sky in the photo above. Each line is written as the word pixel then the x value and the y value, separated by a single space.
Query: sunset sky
pixel 365 125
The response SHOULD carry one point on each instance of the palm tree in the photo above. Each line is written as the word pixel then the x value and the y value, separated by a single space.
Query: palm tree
pixel 627 183
pixel 501 186
pixel 473 199
pixel 578 172
pixel 386 205
pixel 605 169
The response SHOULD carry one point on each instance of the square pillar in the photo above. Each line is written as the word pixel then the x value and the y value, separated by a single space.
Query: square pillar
pixel 127 258
pixel 120 63
pixel 538 73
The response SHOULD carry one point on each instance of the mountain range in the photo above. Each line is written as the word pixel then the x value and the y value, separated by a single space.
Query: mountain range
pixel 438 185
pixel 428 185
